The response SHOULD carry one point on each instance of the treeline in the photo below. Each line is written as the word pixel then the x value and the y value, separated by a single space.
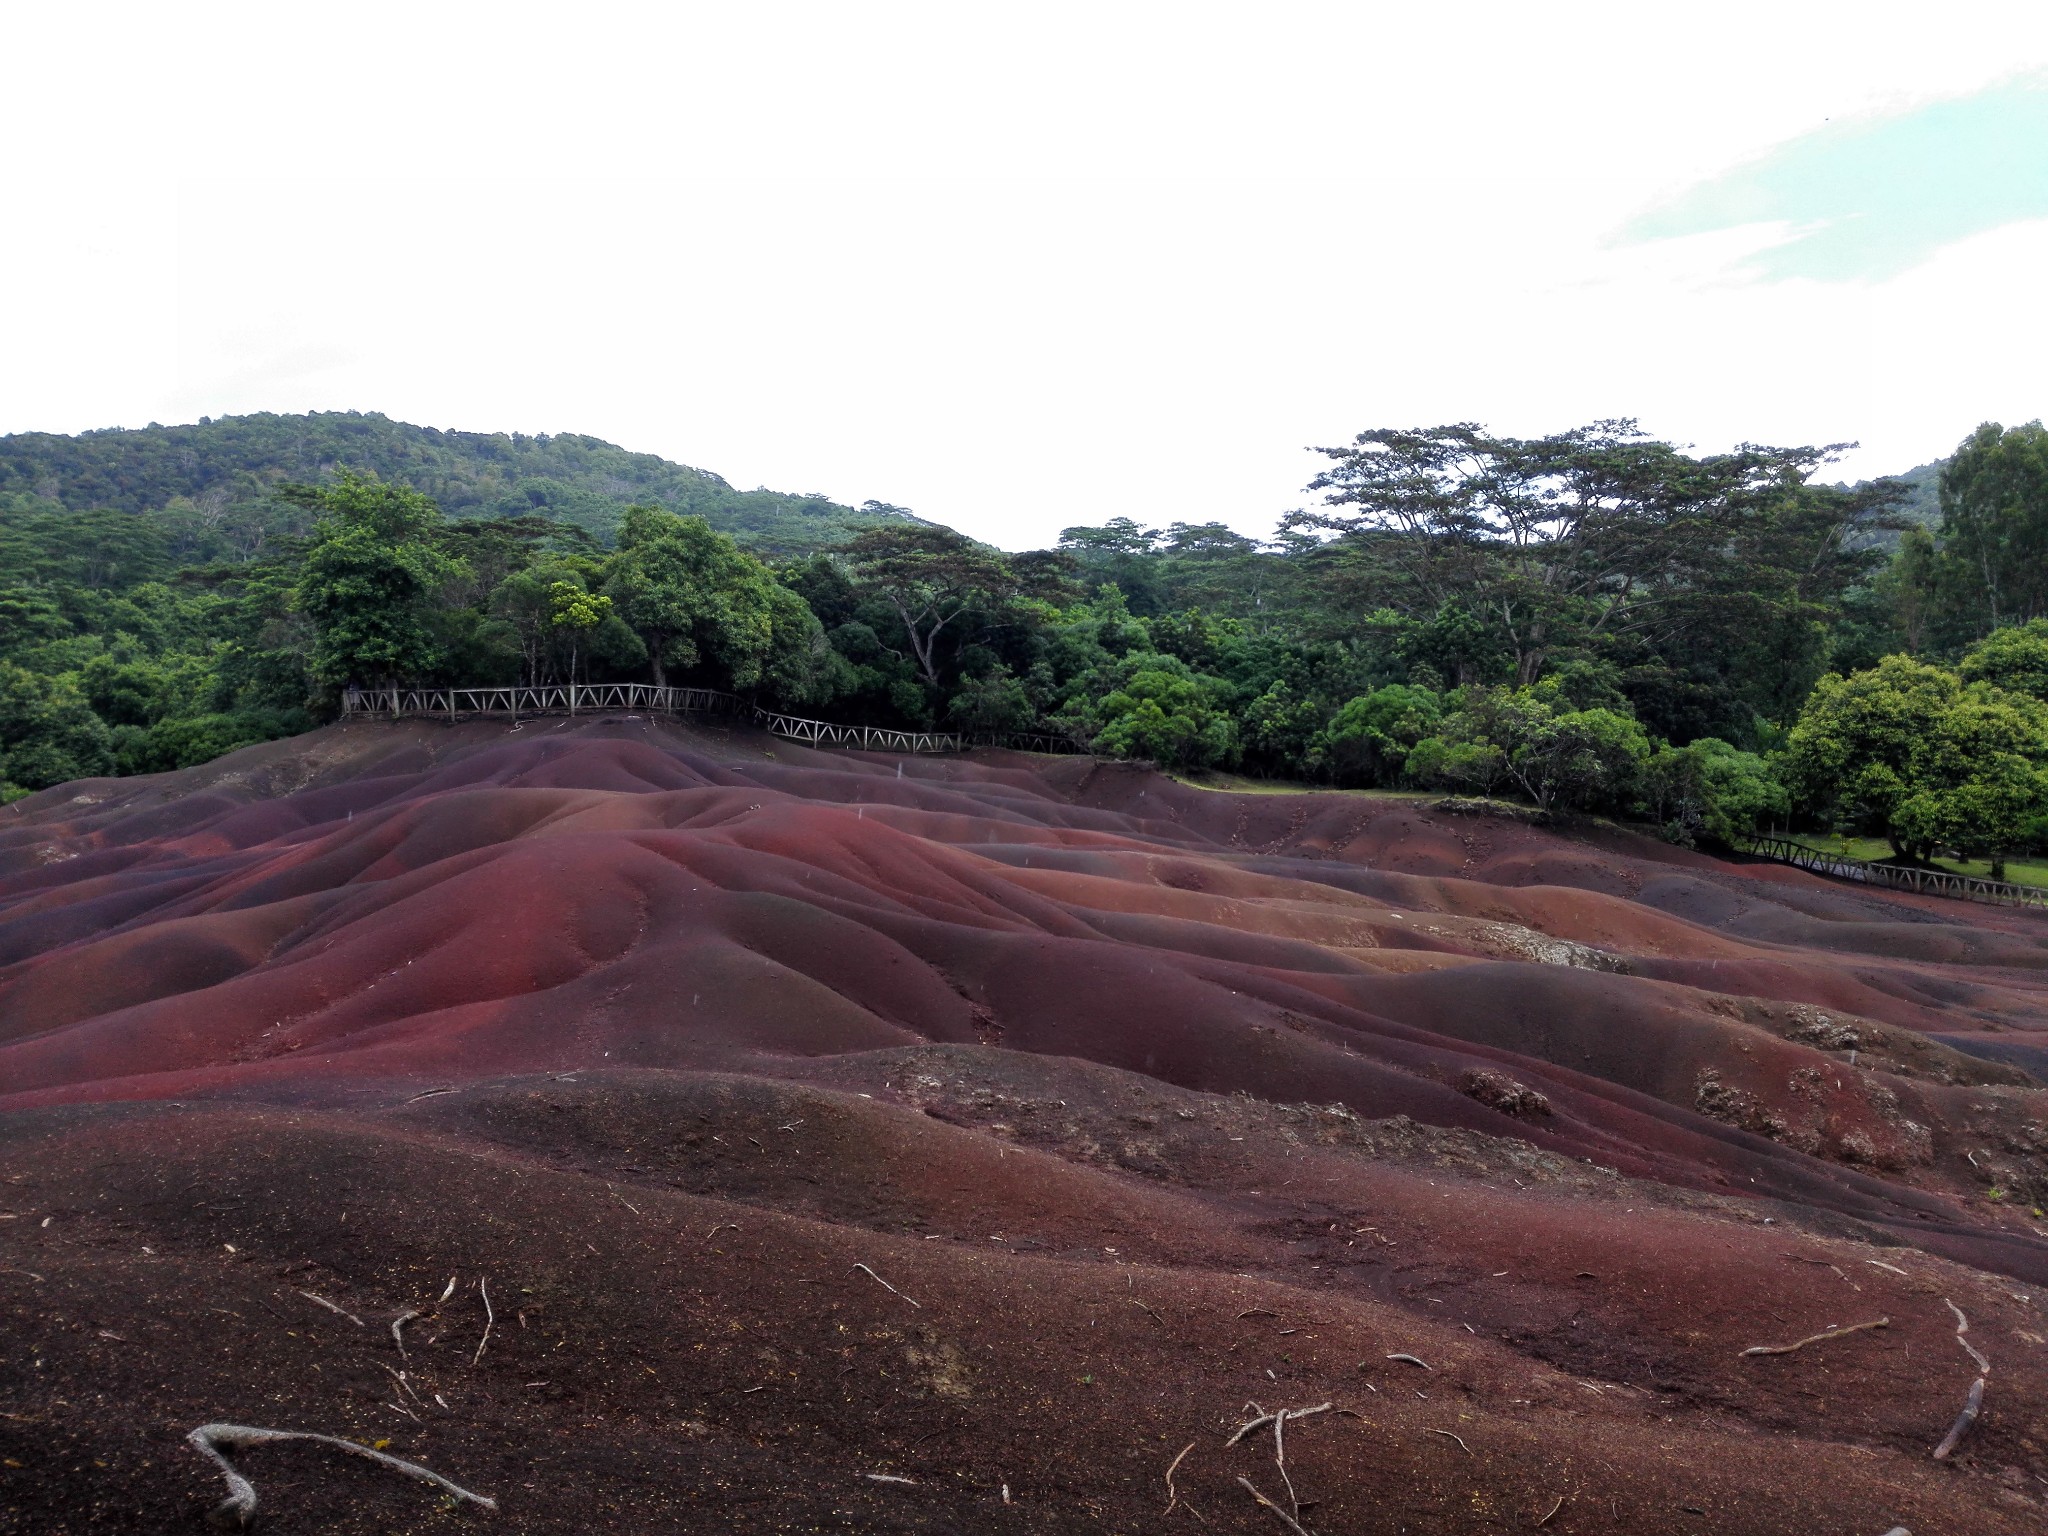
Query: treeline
pixel 1593 620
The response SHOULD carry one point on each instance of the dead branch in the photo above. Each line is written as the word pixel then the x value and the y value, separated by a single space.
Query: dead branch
pixel 397 1323
pixel 1552 1514
pixel 1279 1514
pixel 1816 1338
pixel 1449 1436
pixel 1411 1360
pixel 1280 1460
pixel 885 1285
pixel 216 1441
pixel 1963 1327
pixel 1972 1406
pixel 490 1317
pixel 322 1301
pixel 1173 1498
pixel 1245 1429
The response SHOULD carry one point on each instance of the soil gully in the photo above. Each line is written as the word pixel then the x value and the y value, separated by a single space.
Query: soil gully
pixel 664 1130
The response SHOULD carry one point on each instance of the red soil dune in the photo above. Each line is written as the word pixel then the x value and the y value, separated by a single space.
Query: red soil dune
pixel 1154 1107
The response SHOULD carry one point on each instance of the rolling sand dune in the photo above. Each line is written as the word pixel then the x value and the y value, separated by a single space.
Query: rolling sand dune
pixel 833 1142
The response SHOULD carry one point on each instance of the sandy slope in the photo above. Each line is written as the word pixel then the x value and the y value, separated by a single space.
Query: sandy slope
pixel 1157 1102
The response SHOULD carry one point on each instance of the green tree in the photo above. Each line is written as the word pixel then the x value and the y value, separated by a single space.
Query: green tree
pixel 575 612
pixel 1710 788
pixel 1369 739
pixel 1912 753
pixel 370 579
pixel 2014 658
pixel 1994 518
pixel 930 577
pixel 1166 714
pixel 48 733
pixel 695 598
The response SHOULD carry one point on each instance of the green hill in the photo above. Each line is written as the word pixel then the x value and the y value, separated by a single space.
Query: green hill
pixel 220 471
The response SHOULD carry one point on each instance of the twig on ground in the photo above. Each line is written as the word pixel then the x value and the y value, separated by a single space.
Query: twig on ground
pixel 885 1285
pixel 1552 1513
pixel 1963 1327
pixel 1245 1429
pixel 722 1226
pixel 1411 1360
pixel 29 1272
pixel 431 1093
pixel 629 1205
pixel 1880 1263
pixel 1279 1514
pixel 490 1317
pixel 397 1323
pixel 1816 1338
pixel 445 1294
pixel 1449 1436
pixel 216 1441
pixel 1972 1406
pixel 322 1301
pixel 884 1477
pixel 1256 1312
pixel 406 1386
pixel 1280 1460
pixel 1173 1498
pixel 1142 1307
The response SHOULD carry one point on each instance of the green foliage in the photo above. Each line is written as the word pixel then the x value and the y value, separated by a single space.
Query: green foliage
pixel 1369 739
pixel 1166 714
pixel 214 480
pixel 48 732
pixel 369 581
pixel 1994 506
pixel 1913 753
pixel 2014 658
pixel 1711 789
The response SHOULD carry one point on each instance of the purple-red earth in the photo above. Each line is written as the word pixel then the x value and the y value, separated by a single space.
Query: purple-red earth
pixel 658 1128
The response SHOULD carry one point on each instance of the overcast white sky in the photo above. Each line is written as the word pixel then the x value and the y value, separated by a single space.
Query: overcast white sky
pixel 1018 266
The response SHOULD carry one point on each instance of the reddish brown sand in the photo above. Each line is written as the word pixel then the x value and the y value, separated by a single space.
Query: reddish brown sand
pixel 847 1144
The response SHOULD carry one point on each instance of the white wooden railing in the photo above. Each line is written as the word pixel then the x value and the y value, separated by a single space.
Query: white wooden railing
pixel 610 698
pixel 1898 877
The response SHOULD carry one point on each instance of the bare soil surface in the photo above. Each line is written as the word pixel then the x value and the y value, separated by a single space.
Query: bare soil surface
pixel 661 1129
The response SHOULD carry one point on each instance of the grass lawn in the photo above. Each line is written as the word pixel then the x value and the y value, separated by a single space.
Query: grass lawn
pixel 1876 849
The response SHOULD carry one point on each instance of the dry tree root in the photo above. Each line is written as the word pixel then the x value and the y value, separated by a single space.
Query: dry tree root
pixel 1279 1514
pixel 1172 1497
pixel 490 1317
pixel 1816 1338
pixel 885 1285
pixel 216 1441
pixel 1963 1327
pixel 1972 1406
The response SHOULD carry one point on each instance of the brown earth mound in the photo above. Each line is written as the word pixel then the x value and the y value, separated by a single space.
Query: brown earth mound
pixel 660 1129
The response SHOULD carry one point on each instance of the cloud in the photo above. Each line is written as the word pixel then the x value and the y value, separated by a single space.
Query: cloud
pixel 1869 199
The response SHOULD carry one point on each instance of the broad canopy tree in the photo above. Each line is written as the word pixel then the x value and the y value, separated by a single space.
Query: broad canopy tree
pixel 931 577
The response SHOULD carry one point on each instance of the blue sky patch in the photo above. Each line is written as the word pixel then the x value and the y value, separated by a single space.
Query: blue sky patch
pixel 1869 198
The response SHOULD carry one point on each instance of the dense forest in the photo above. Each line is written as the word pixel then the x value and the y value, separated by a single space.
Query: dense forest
pixel 1591 621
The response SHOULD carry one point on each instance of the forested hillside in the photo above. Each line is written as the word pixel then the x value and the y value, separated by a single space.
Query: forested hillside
pixel 210 484
pixel 1592 621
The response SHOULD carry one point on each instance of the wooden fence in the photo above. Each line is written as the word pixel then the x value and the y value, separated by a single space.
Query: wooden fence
pixel 1898 877
pixel 611 698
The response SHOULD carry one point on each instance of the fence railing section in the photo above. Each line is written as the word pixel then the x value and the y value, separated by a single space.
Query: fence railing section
pixel 1898 877
pixel 609 698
